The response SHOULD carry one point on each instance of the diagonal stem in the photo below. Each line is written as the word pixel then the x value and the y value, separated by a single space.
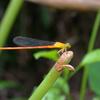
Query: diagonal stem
pixel 90 48
pixel 51 77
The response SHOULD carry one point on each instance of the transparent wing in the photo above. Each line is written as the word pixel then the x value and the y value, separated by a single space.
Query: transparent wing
pixel 25 41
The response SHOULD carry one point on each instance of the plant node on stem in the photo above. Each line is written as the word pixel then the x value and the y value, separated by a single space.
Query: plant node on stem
pixel 52 76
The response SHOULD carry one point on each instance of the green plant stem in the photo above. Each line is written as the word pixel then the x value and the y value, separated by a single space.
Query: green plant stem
pixel 90 48
pixel 91 42
pixel 8 19
pixel 94 32
pixel 45 85
pixel 51 77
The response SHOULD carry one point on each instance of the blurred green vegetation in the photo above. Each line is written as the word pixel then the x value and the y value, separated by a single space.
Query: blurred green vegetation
pixel 22 18
pixel 60 91
pixel 47 54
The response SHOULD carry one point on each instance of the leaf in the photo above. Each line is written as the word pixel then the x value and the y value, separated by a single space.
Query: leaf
pixel 91 57
pixel 47 54
pixel 59 91
pixel 94 77
pixel 7 84
pixel 18 98
pixel 96 98
pixel 62 84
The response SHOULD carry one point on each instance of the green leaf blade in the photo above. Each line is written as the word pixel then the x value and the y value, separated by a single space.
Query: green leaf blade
pixel 94 77
pixel 91 57
pixel 52 55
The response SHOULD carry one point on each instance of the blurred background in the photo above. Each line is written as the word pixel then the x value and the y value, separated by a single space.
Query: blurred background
pixel 20 71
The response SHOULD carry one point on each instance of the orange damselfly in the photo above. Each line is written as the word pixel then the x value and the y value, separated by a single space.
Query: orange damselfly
pixel 30 43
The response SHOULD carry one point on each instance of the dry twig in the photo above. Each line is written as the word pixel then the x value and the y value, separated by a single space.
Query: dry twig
pixel 72 4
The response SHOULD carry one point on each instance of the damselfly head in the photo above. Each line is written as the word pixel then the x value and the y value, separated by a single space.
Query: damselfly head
pixel 67 45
